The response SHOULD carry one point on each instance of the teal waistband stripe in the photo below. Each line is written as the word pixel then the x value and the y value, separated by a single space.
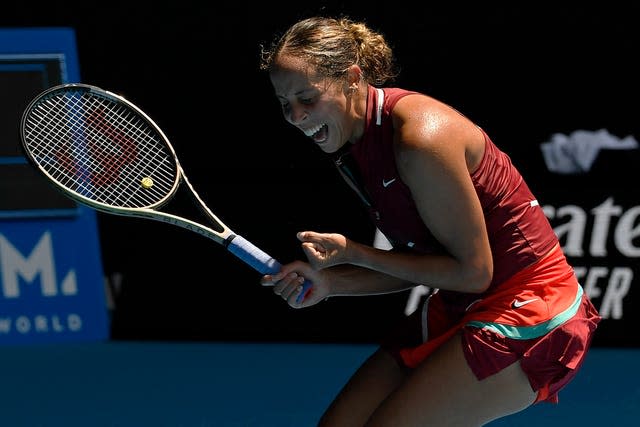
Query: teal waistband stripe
pixel 534 331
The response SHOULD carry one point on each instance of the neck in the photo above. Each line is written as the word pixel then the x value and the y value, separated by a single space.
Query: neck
pixel 359 101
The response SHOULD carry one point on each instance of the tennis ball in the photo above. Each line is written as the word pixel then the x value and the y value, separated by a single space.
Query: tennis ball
pixel 146 182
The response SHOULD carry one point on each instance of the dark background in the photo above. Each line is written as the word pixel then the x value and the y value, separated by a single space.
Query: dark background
pixel 523 72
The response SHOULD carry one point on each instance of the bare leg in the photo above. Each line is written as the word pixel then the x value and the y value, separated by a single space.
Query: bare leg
pixel 443 391
pixel 369 386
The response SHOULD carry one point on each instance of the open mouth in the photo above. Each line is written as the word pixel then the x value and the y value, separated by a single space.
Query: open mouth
pixel 318 133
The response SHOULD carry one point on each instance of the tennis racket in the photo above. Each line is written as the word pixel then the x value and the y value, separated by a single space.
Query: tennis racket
pixel 104 152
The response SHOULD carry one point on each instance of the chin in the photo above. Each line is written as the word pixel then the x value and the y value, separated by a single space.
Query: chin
pixel 329 147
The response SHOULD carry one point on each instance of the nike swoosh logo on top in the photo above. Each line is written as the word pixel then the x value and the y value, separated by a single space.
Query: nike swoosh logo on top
pixel 518 304
pixel 385 184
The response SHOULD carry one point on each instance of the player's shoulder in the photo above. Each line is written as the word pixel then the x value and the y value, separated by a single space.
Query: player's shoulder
pixel 424 120
pixel 418 105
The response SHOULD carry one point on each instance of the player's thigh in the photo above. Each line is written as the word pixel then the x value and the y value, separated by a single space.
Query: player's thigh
pixel 443 391
pixel 378 376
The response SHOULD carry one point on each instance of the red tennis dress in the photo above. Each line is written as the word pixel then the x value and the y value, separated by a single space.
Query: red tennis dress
pixel 534 310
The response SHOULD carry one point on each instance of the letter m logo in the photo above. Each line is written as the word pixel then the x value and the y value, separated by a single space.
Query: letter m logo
pixel 13 265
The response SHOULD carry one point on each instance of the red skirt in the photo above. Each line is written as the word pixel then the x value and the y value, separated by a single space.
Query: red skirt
pixel 549 334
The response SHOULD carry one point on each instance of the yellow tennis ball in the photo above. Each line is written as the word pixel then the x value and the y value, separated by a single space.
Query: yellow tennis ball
pixel 146 182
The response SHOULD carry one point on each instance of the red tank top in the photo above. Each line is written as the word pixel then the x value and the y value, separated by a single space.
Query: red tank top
pixel 519 232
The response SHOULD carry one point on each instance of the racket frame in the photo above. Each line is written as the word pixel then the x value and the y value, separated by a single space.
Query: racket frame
pixel 234 243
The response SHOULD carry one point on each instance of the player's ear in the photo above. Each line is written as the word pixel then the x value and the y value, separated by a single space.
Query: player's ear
pixel 354 75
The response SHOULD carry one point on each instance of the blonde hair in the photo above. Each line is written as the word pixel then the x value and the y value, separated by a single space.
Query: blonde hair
pixel 332 45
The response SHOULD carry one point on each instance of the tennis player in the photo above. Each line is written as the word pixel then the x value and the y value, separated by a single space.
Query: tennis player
pixel 509 325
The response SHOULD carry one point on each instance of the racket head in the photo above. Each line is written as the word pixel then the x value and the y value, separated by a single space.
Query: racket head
pixel 99 148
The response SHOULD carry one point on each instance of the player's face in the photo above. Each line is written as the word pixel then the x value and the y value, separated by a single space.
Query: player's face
pixel 318 106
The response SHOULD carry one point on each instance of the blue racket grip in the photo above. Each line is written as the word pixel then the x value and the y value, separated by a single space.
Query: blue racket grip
pixel 260 260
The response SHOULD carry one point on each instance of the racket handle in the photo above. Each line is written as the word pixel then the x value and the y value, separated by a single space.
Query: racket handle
pixel 259 260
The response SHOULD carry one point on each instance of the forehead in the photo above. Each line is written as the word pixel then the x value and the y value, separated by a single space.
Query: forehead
pixel 291 75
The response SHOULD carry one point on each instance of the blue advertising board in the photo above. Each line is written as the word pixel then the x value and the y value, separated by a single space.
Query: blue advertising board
pixel 51 279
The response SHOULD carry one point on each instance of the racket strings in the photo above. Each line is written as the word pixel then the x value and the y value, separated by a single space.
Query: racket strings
pixel 101 149
pixel 121 162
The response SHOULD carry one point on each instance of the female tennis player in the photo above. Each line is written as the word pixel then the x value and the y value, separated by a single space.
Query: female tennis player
pixel 509 325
